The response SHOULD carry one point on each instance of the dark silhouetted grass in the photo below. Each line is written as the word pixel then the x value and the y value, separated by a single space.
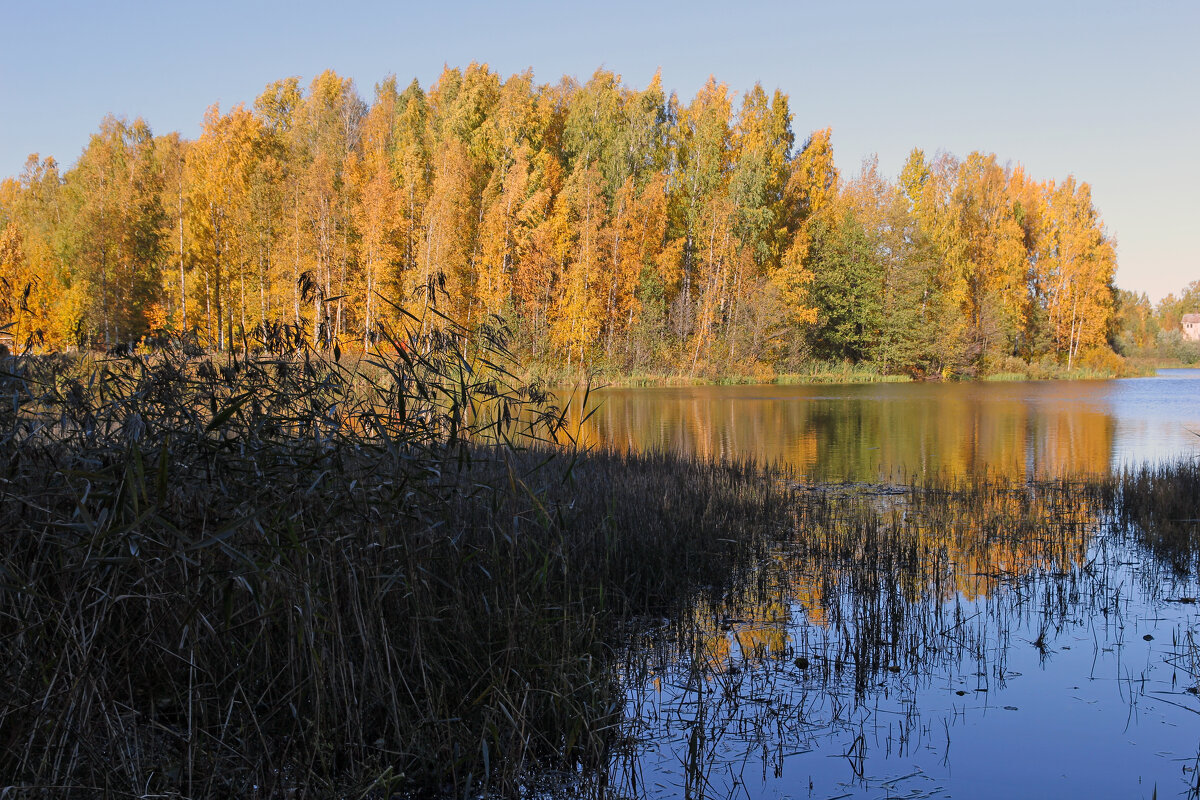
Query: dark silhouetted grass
pixel 283 572
pixel 278 572
pixel 1161 504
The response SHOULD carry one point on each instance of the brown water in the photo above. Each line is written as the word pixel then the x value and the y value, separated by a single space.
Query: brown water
pixel 889 431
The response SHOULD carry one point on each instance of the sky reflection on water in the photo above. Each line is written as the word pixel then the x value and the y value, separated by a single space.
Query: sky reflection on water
pixel 1062 664
pixel 1054 657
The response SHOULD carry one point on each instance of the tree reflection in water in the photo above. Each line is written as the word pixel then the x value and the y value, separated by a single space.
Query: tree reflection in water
pixel 909 642
pixel 870 432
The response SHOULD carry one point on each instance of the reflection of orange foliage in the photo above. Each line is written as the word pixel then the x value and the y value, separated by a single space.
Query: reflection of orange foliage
pixel 950 541
pixel 758 643
pixel 760 635
pixel 805 455
pixel 863 432
pixel 811 596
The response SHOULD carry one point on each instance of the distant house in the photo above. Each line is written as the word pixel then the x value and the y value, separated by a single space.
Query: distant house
pixel 1191 327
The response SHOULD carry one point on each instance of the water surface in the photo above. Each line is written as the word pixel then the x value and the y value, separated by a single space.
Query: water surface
pixel 872 432
pixel 919 649
pixel 1018 645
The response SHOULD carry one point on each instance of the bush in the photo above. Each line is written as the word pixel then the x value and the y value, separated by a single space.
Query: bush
pixel 1172 345
pixel 1102 361
pixel 1010 366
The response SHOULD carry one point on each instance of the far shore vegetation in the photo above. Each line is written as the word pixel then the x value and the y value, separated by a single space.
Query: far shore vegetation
pixel 1104 365
pixel 625 232
pixel 286 571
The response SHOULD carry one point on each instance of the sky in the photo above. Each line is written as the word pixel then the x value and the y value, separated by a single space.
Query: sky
pixel 1106 91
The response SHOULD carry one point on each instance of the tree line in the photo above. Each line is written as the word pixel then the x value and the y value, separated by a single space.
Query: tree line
pixel 1156 330
pixel 608 226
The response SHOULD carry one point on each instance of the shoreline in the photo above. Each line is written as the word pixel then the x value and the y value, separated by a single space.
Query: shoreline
pixel 848 377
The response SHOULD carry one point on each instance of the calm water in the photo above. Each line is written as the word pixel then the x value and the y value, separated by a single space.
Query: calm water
pixel 1055 659
pixel 884 431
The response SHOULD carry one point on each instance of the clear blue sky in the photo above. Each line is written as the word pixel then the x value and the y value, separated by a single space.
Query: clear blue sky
pixel 1107 91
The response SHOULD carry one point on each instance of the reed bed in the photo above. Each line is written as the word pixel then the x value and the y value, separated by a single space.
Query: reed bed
pixel 276 573
pixel 288 573
pixel 1160 504
pixel 882 571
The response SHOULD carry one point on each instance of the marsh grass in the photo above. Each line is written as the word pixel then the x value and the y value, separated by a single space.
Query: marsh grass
pixel 297 572
pixel 281 572
pixel 1160 504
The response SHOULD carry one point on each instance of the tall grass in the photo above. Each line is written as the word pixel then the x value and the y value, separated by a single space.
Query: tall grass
pixel 1160 504
pixel 283 572
pixel 289 572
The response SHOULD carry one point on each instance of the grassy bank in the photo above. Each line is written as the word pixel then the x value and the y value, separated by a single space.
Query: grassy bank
pixel 821 372
pixel 1127 369
pixel 1012 369
pixel 1149 363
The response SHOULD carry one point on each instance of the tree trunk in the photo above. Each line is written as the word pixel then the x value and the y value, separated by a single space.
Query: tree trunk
pixel 182 277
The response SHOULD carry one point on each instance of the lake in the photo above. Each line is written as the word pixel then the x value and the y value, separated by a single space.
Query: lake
pixel 887 431
pixel 1005 643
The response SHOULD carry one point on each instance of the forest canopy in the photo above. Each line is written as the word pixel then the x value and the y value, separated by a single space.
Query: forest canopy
pixel 608 226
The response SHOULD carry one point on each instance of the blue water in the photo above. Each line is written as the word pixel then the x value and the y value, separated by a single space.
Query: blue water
pixel 1046 680
pixel 1104 705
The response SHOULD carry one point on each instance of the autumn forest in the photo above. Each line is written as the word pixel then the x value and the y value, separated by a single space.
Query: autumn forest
pixel 609 227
